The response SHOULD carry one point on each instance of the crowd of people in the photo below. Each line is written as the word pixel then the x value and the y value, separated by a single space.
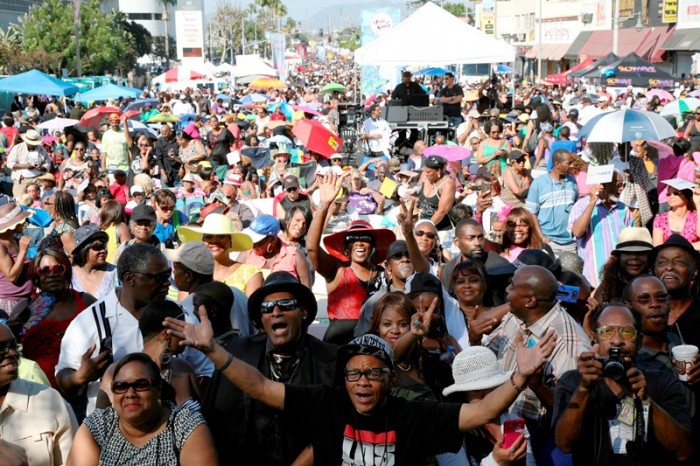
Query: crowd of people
pixel 485 305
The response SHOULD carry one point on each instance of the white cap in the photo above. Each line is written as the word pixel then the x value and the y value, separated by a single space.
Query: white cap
pixel 137 189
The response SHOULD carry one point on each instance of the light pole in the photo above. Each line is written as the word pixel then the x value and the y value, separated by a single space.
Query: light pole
pixel 76 20
pixel 539 42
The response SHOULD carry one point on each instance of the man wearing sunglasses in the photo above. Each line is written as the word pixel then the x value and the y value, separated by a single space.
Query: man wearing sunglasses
pixel 292 197
pixel 245 430
pixel 624 416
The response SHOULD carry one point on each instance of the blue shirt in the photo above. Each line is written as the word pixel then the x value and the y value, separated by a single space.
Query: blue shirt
pixel 551 202
pixel 164 232
pixel 560 144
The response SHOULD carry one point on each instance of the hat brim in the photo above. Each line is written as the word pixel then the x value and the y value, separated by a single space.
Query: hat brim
pixel 302 293
pixel 633 249
pixel 254 236
pixel 239 241
pixel 335 243
pixel 346 352
pixel 21 217
pixel 97 235
pixel 481 383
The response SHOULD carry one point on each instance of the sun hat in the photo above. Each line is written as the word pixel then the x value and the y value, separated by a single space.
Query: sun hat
pixel 263 226
pixel 136 189
pixel 282 281
pixel 189 177
pixel 12 215
pixel 274 153
pixel 366 345
pixel 47 177
pixel 85 235
pixel 194 256
pixel 192 131
pixel 476 368
pixel 31 137
pixel 336 243
pixel 633 239
pixel 234 179
pixel 215 224
pixel 337 156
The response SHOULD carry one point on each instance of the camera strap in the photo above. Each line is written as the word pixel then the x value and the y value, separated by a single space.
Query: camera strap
pixel 635 447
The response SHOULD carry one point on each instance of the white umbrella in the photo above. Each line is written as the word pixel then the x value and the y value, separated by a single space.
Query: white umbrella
pixel 57 124
pixel 631 125
pixel 137 126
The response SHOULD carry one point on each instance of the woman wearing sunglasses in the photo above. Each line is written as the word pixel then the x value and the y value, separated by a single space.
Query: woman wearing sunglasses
pixel 429 244
pixel 52 311
pixel 522 231
pixel 143 425
pixel 91 271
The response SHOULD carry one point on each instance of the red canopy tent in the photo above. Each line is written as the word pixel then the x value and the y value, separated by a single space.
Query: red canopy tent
pixel 563 79
pixel 588 61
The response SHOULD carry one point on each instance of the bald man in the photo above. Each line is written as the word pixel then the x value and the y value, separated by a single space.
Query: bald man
pixel 534 310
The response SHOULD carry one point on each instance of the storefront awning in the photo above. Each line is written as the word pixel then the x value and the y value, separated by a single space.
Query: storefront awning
pixel 645 42
pixel 683 39
pixel 651 49
pixel 574 51
pixel 551 52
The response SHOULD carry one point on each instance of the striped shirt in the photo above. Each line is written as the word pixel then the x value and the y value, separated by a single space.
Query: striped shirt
pixel 571 342
pixel 551 202
pixel 600 237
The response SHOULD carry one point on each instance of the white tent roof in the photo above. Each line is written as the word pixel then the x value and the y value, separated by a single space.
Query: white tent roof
pixel 247 65
pixel 434 36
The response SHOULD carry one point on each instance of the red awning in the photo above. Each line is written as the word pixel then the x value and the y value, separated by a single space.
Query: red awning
pixel 646 42
pixel 651 48
pixel 578 66
pixel 560 79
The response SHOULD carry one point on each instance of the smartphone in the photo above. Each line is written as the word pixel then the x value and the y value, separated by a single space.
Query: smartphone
pixel 512 429
pixel 485 187
pixel 106 345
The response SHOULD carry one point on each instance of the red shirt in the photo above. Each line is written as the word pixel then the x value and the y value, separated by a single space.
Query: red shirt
pixel 12 134
pixel 119 193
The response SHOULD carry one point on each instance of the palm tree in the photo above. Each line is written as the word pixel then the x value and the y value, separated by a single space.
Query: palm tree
pixel 165 4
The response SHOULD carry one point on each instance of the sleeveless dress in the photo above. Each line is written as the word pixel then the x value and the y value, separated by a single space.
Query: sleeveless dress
pixel 239 278
pixel 429 205
pixel 163 449
pixel 12 293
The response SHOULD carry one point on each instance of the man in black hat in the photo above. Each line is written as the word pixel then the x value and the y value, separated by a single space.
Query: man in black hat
pixel 406 88
pixel 247 431
pixel 141 225
pixel 360 423
pixel 293 197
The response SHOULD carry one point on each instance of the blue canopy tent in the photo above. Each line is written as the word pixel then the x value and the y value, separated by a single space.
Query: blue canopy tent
pixel 108 91
pixel 503 69
pixel 36 82
pixel 432 72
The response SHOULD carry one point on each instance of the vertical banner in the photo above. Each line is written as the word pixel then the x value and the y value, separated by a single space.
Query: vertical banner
pixel 189 33
pixel 670 12
pixel 602 14
pixel 278 46
pixel 488 17
pixel 375 23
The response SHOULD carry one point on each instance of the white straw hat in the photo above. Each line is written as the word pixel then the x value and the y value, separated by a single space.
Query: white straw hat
pixel 476 368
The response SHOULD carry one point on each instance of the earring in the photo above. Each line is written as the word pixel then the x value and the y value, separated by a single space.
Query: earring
pixel 165 357
pixel 268 248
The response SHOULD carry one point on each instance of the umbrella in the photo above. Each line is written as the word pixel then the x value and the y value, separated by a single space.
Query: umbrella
pixel 695 93
pixel 176 74
pixel 333 87
pixel 36 82
pixel 57 124
pixel 594 98
pixel 164 118
pixel 503 69
pixel 267 83
pixel 277 123
pixel 224 97
pixel 450 153
pixel 661 94
pixel 285 108
pixel 108 91
pixel 280 141
pixel 254 98
pixel 431 72
pixel 306 109
pixel 139 104
pixel 317 138
pixel 187 117
pixel 630 125
pixel 94 116
pixel 679 107
pixel 139 127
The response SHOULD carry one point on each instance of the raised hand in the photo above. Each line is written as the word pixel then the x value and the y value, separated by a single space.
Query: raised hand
pixel 405 218
pixel 420 322
pixel 200 336
pixel 590 369
pixel 530 359
pixel 328 188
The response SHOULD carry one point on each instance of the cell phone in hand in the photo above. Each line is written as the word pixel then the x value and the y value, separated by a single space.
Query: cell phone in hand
pixel 512 429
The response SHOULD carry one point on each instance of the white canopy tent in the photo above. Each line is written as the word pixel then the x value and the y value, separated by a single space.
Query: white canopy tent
pixel 248 65
pixel 434 36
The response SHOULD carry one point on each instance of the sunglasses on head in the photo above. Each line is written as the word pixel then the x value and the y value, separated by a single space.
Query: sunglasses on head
pixel 140 385
pixel 57 269
pixel 429 234
pixel 285 305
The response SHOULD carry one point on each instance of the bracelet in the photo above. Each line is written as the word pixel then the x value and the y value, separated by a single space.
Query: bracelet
pixel 512 382
pixel 230 358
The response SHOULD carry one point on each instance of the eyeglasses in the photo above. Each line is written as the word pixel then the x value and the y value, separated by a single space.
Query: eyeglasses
pixel 79 149
pixel 647 298
pixel 361 239
pixel 57 269
pixel 166 208
pixel 160 277
pixel 336 160
pixel 140 385
pixel 606 332
pixel 98 246
pixel 399 255
pixel 285 305
pixel 374 373
pixel 144 145
pixel 12 345
pixel 144 224
pixel 292 190
pixel 429 234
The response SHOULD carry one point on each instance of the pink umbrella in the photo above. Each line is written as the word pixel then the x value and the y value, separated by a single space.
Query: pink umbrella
pixel 370 100
pixel 661 94
pixel 695 93
pixel 449 153
pixel 306 109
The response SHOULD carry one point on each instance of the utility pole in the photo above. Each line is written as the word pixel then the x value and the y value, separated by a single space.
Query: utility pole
pixel 76 20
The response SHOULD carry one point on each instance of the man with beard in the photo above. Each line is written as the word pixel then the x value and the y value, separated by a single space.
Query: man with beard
pixel 596 222
pixel 246 431
pixel 166 151
pixel 625 416
pixel 109 329
pixel 534 310
pixel 470 239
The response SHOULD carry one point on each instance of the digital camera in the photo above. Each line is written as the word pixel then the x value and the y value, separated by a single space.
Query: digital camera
pixel 614 366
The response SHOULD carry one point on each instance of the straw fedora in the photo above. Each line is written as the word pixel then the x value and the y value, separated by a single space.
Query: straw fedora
pixel 216 224
pixel 31 137
pixel 12 215
pixel 476 368
pixel 336 243
pixel 633 239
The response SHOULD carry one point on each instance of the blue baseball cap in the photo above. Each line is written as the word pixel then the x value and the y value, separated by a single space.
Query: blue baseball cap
pixel 263 226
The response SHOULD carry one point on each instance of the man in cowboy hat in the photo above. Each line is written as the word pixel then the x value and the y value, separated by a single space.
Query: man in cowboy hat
pixel 247 431
pixel 28 160
pixel 115 146
pixel 359 422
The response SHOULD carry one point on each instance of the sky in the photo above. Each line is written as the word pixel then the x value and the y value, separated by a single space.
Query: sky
pixel 298 9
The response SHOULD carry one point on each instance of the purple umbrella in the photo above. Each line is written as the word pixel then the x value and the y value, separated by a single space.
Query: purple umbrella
pixel 450 153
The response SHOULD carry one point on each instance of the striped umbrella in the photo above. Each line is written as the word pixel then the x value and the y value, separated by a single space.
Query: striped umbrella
pixel 680 107
pixel 629 125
